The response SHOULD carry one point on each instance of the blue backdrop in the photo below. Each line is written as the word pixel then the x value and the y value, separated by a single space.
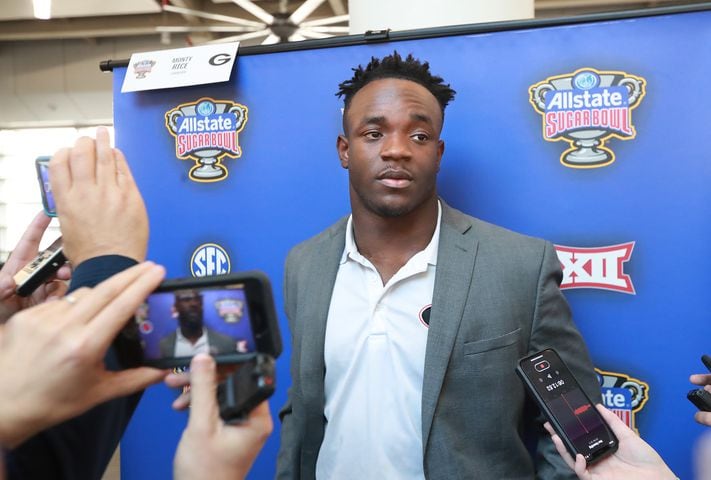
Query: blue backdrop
pixel 642 307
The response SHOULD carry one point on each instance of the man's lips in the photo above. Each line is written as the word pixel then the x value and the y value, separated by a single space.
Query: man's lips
pixel 395 178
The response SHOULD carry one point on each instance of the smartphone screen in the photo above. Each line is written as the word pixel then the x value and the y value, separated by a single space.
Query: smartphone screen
pixel 567 407
pixel 42 164
pixel 182 323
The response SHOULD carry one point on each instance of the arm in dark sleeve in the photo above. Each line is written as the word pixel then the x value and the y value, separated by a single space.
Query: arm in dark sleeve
pixel 82 447
pixel 553 327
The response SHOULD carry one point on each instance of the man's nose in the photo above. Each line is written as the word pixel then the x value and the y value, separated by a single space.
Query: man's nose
pixel 396 146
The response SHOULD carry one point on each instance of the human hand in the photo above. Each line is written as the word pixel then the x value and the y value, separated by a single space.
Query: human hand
pixel 24 252
pixel 52 355
pixel 100 209
pixel 634 458
pixel 210 445
pixel 702 380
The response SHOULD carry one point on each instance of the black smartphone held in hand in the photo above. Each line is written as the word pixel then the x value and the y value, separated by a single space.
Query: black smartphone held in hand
pixel 566 406
pixel 231 317
pixel 706 360
pixel 701 398
pixel 40 269
pixel 249 386
pixel 42 165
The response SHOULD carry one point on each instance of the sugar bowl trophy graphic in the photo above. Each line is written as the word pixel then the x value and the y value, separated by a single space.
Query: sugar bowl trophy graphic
pixel 206 131
pixel 586 108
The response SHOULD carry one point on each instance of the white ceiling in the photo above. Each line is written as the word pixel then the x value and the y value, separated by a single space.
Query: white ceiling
pixel 49 73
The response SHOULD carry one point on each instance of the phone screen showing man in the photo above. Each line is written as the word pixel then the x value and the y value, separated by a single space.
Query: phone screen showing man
pixel 573 412
pixel 185 322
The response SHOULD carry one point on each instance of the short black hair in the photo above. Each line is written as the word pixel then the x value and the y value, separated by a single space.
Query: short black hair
pixel 393 66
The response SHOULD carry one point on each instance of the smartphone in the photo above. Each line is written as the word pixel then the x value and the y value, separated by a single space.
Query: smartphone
pixel 42 165
pixel 706 360
pixel 40 269
pixel 701 398
pixel 232 317
pixel 566 406
pixel 249 386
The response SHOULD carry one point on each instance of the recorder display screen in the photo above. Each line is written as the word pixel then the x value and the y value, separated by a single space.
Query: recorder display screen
pixel 558 389
pixel 185 322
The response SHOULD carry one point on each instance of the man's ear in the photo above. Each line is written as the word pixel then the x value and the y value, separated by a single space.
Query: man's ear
pixel 342 148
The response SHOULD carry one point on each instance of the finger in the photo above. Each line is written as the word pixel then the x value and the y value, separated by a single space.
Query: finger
pixel 64 272
pixel 177 380
pixel 60 176
pixel 261 419
pixel 616 424
pixel 203 386
pixel 125 296
pixel 82 160
pixel 87 304
pixel 182 402
pixel 28 246
pixel 580 467
pixel 562 451
pixel 126 382
pixel 700 379
pixel 7 286
pixel 703 418
pixel 124 177
pixel 105 161
pixel 55 289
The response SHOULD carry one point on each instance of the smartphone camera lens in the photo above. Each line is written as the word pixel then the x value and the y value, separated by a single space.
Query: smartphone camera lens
pixel 541 366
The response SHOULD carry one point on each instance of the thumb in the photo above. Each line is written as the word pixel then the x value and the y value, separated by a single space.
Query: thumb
pixel 203 386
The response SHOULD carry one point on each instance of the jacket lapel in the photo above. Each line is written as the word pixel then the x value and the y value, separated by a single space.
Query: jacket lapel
pixel 323 268
pixel 455 267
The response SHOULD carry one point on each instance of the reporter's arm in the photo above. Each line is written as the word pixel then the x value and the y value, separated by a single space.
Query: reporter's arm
pixel 51 356
pixel 208 444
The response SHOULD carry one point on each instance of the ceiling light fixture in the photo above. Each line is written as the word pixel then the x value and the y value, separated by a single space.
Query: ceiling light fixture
pixel 42 9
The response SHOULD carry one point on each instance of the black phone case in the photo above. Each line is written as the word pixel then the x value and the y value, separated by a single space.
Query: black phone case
pixel 701 398
pixel 706 360
pixel 38 271
pixel 552 419
pixel 265 327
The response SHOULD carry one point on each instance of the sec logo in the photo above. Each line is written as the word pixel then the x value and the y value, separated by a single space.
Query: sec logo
pixel 209 259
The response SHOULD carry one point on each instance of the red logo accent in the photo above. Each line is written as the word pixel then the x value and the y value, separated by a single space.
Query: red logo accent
pixel 600 267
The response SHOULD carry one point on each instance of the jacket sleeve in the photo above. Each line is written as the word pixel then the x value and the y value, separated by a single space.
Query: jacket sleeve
pixel 553 327
pixel 82 447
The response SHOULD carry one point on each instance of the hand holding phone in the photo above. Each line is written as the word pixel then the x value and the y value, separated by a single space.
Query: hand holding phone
pixel 565 405
pixel 40 269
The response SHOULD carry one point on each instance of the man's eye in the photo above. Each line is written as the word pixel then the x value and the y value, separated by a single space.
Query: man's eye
pixel 373 135
pixel 421 137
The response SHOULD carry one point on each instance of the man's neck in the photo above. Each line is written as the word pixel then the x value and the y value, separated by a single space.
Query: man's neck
pixel 389 242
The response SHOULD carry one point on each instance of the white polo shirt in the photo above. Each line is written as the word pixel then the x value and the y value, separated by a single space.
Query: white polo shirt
pixel 185 348
pixel 375 355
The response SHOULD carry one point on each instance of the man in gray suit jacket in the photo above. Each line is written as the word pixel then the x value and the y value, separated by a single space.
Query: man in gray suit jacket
pixel 194 337
pixel 408 317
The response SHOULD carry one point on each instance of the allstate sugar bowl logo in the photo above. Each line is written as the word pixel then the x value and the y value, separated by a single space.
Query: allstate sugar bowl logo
pixel 586 108
pixel 623 395
pixel 206 131
pixel 209 259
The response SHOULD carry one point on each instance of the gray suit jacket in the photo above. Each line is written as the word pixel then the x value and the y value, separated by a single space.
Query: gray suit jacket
pixel 218 343
pixel 495 300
